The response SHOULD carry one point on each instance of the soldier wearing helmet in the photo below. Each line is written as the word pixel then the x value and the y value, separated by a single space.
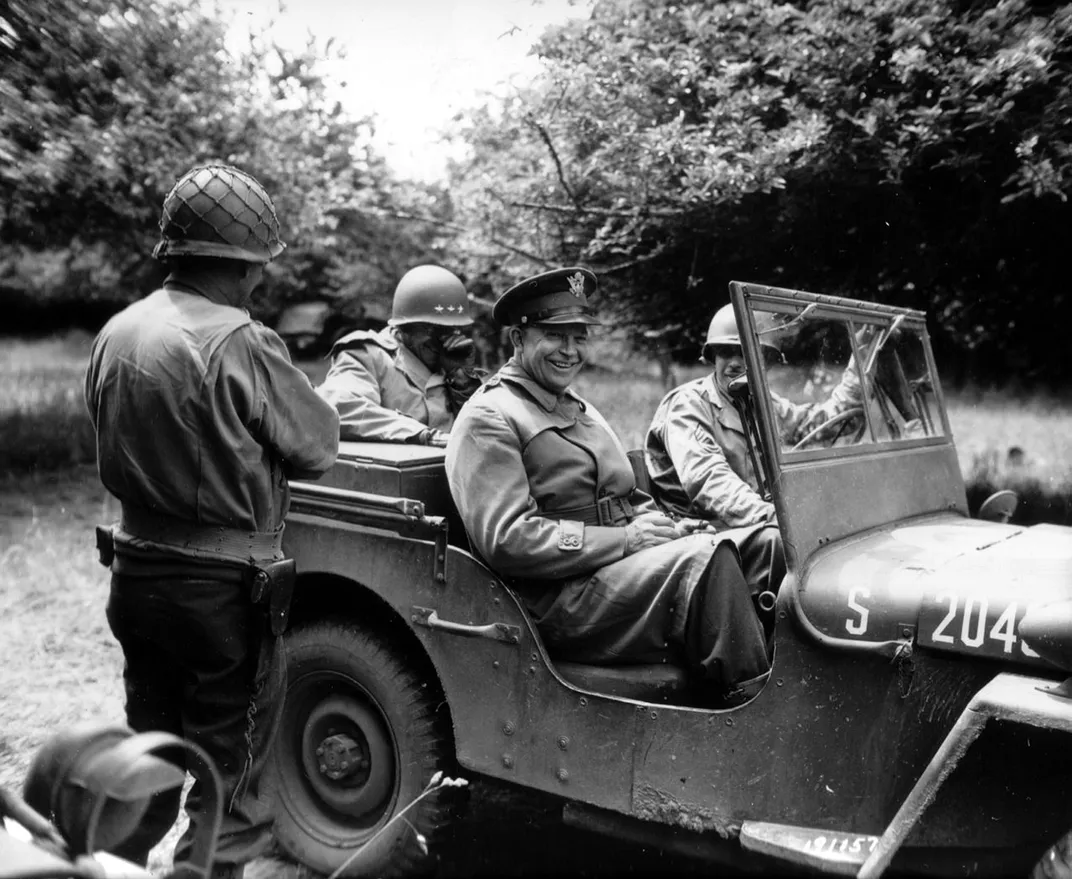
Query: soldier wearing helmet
pixel 695 450
pixel 200 420
pixel 407 382
pixel 548 497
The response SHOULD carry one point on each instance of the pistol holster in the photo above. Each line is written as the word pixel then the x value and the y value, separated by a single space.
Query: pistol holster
pixel 271 587
pixel 105 545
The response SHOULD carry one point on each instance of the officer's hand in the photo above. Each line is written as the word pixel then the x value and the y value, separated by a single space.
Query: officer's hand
pixel 457 352
pixel 651 530
pixel 692 526
pixel 433 437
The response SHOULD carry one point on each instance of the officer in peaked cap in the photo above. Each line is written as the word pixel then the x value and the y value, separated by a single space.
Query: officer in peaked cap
pixel 556 297
pixel 406 382
pixel 548 498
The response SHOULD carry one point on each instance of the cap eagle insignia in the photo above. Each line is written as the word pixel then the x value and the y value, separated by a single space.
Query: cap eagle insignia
pixel 576 284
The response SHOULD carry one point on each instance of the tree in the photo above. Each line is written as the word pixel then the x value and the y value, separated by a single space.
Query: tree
pixel 907 151
pixel 108 101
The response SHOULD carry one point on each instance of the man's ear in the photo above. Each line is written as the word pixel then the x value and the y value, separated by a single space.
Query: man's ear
pixel 516 334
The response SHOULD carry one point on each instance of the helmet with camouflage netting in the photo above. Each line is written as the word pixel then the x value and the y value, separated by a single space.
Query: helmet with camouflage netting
pixel 219 211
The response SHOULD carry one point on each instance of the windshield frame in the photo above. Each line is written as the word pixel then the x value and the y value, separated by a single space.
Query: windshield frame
pixel 823 496
pixel 854 314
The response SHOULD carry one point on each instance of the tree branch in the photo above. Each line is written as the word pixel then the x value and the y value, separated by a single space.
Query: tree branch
pixel 640 260
pixel 454 227
pixel 546 138
pixel 604 212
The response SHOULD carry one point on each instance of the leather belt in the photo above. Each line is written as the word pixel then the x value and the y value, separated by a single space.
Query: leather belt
pixel 201 541
pixel 605 511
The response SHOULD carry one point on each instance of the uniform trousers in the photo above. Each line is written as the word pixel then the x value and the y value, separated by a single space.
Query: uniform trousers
pixel 200 663
pixel 686 600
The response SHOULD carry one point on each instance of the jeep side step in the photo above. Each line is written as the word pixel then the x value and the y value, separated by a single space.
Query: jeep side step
pixel 1010 697
pixel 828 851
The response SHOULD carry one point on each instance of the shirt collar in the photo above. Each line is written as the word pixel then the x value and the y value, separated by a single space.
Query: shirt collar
pixel 515 373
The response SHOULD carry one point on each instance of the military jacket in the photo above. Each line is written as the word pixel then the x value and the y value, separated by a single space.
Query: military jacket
pixel 697 455
pixel 200 415
pixel 382 390
pixel 517 456
pixel 521 461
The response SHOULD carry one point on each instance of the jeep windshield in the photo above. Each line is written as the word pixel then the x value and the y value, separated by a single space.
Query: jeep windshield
pixel 849 422
pixel 846 377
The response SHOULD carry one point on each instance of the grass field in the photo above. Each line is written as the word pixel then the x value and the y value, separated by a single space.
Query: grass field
pixel 60 663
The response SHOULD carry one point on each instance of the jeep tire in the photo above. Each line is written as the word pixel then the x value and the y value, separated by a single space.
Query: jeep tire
pixel 358 741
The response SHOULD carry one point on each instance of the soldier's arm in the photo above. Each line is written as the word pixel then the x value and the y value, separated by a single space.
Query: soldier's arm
pixel 491 490
pixel 717 492
pixel 798 419
pixel 352 386
pixel 288 416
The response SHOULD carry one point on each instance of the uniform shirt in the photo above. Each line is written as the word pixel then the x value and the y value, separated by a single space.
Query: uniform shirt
pixel 697 454
pixel 200 414
pixel 382 390
pixel 517 456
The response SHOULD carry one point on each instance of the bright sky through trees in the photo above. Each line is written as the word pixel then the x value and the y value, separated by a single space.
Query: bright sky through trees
pixel 414 63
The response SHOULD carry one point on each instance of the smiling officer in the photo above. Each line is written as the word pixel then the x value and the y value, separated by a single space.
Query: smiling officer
pixel 548 498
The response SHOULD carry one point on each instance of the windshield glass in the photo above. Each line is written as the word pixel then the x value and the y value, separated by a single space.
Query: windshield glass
pixel 839 379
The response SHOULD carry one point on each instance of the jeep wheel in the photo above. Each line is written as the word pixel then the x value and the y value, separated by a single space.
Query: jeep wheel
pixel 358 742
pixel 1057 862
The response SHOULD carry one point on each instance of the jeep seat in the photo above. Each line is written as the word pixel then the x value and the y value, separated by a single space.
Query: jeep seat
pixel 661 682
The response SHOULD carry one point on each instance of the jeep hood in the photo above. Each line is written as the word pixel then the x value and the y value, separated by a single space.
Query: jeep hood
pixel 957 584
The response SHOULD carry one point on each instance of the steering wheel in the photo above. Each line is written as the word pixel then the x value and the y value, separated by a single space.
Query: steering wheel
pixel 841 418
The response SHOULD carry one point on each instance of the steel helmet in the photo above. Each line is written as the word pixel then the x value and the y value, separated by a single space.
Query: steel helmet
pixel 217 210
pixel 430 295
pixel 723 331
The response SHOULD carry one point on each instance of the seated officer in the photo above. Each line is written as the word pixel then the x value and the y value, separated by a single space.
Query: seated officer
pixel 696 452
pixel 548 498
pixel 407 382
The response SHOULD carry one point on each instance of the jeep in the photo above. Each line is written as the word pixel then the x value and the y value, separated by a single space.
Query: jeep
pixel 916 717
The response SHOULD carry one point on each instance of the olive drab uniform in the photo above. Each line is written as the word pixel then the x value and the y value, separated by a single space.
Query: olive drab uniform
pixel 697 455
pixel 201 419
pixel 382 390
pixel 545 490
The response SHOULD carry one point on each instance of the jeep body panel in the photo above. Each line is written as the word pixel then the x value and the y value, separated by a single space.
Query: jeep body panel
pixel 961 585
pixel 865 690
pixel 517 720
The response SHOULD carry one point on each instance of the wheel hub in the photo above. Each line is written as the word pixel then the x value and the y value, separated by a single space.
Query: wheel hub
pixel 348 756
pixel 340 757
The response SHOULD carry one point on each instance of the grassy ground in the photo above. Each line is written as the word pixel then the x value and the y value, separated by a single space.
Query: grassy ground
pixel 61 664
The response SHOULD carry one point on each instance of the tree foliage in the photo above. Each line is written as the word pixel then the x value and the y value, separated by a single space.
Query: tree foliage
pixel 107 102
pixel 908 151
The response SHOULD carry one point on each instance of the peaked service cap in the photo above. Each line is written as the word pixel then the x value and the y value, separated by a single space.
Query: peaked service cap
pixel 556 297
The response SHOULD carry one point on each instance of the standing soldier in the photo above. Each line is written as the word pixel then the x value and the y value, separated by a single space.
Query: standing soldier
pixel 201 419
pixel 407 382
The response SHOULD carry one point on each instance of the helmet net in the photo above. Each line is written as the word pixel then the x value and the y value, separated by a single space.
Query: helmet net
pixel 217 210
